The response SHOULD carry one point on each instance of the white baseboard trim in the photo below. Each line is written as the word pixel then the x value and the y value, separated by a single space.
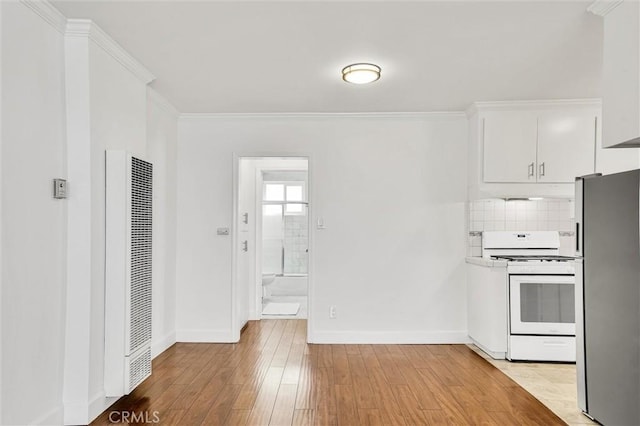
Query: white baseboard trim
pixel 492 354
pixel 390 337
pixel 98 404
pixel 244 324
pixel 205 336
pixel 162 344
pixel 82 413
pixel 53 417
pixel 76 413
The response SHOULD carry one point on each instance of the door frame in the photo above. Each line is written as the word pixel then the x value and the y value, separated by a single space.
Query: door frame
pixel 236 326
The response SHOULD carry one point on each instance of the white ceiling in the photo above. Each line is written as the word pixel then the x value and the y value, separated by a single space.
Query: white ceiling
pixel 271 57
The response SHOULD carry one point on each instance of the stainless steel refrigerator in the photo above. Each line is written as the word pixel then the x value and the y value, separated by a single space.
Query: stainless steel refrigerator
pixel 608 297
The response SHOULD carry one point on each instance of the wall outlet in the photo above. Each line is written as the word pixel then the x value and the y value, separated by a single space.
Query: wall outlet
pixel 332 312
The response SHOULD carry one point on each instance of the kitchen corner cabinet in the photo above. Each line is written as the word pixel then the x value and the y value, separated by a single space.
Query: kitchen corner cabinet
pixel 538 146
pixel 620 71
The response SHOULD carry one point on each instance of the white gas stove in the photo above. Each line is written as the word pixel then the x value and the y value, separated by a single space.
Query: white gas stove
pixel 534 252
pixel 541 294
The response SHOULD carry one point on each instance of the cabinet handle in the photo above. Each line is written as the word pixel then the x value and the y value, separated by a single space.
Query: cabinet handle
pixel 530 170
pixel 541 169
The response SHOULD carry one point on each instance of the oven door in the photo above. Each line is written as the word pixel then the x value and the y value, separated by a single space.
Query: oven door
pixel 542 304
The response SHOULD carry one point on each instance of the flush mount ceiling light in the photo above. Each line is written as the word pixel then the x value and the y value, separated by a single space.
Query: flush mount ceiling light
pixel 361 73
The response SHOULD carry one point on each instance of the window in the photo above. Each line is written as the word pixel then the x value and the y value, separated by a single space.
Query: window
pixel 290 194
pixel 273 192
pixel 294 192
pixel 284 227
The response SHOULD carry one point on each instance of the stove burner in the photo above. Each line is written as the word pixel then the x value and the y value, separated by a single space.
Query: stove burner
pixel 534 258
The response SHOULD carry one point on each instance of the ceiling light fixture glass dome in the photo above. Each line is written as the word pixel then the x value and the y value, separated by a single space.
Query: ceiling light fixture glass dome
pixel 361 73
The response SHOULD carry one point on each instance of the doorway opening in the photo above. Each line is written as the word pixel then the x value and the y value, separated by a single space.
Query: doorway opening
pixel 272 273
pixel 285 243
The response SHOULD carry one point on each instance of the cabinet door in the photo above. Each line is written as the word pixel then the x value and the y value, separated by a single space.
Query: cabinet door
pixel 620 71
pixel 509 146
pixel 566 146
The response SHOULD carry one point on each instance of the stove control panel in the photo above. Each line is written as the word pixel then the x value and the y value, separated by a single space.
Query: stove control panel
pixel 564 268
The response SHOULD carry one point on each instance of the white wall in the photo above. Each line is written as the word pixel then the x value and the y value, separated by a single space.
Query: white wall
pixel 33 223
pixel 118 121
pixel 391 190
pixel 162 133
pixel 107 109
pixel 68 94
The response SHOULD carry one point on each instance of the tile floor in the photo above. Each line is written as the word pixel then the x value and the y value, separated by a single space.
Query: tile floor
pixel 553 384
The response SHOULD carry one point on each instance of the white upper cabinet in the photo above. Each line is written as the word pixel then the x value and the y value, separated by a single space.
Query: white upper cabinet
pixel 509 146
pixel 533 148
pixel 620 71
pixel 529 146
pixel 566 145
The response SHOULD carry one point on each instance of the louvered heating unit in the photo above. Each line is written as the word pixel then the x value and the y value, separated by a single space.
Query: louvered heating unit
pixel 128 272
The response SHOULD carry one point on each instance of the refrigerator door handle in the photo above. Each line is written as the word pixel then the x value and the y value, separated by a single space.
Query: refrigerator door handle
pixel 579 188
pixel 579 200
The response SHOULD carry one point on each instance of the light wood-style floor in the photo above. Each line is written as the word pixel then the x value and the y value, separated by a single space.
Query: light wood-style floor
pixel 273 377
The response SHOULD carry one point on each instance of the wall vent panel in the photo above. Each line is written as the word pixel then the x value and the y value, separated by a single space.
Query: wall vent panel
pixel 128 317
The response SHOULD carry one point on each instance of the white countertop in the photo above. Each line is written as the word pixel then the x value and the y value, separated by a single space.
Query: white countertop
pixel 484 261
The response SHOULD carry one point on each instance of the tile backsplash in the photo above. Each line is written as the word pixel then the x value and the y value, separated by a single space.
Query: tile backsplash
pixel 521 215
pixel 295 244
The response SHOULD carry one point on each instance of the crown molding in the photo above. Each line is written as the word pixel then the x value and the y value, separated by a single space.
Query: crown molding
pixel 323 115
pixel 550 103
pixel 85 28
pixel 603 7
pixel 162 102
pixel 48 13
